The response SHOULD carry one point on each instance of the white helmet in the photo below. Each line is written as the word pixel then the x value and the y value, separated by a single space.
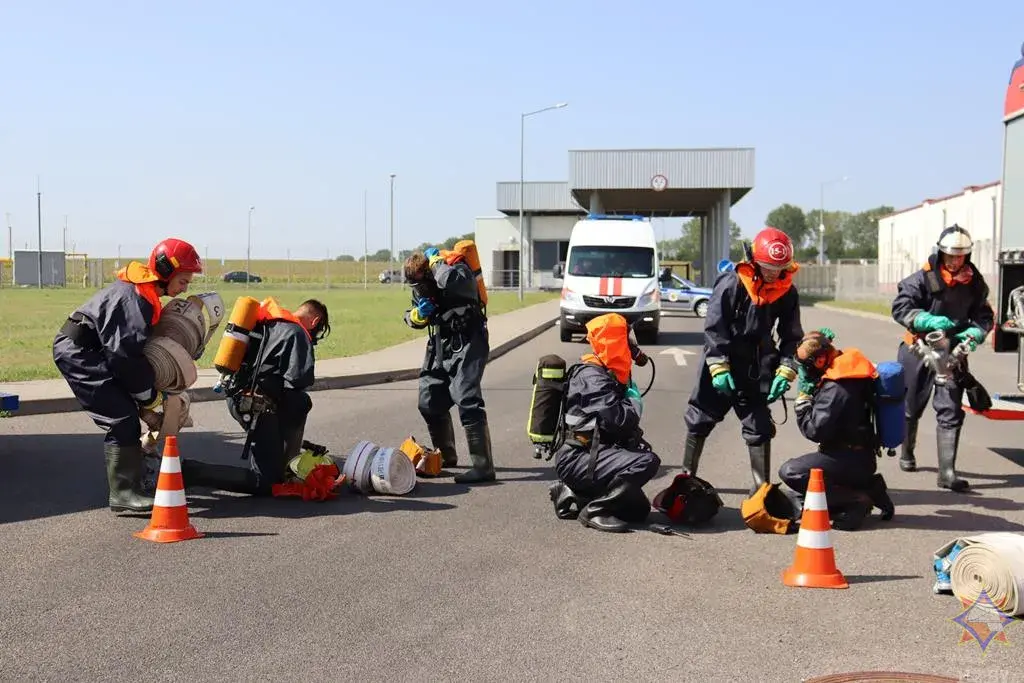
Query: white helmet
pixel 955 241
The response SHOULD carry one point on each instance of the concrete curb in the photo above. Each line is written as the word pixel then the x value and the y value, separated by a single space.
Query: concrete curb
pixel 69 404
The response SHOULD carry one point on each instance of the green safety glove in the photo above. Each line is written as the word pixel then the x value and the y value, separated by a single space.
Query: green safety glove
pixel 633 394
pixel 784 376
pixel 929 322
pixel 827 331
pixel 804 384
pixel 973 336
pixel 721 378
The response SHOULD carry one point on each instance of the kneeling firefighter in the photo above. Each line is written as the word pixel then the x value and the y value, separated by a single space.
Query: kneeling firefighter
pixel 99 351
pixel 835 408
pixel 268 396
pixel 450 301
pixel 604 462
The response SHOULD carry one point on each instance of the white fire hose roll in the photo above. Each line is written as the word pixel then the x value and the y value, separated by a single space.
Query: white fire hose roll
pixel 993 562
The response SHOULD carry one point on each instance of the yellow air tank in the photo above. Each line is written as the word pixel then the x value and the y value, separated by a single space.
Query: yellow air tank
pixel 235 341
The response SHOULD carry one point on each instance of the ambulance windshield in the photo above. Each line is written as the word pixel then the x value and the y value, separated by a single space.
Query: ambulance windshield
pixel 607 261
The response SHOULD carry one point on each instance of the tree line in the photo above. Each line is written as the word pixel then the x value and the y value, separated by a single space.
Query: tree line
pixel 847 235
pixel 383 255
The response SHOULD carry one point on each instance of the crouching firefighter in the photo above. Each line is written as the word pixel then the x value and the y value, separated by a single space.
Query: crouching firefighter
pixel 741 368
pixel 951 295
pixel 99 351
pixel 604 461
pixel 835 408
pixel 448 301
pixel 268 396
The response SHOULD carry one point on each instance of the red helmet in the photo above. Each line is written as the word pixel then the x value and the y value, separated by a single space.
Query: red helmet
pixel 773 249
pixel 172 256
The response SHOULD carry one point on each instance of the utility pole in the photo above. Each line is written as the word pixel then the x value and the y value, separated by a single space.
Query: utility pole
pixel 39 222
pixel 65 234
pixel 10 238
pixel 248 248
pixel 365 243
pixel 391 258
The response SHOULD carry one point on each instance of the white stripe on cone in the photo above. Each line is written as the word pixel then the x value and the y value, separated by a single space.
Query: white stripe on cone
pixel 170 465
pixel 169 499
pixel 815 540
pixel 815 500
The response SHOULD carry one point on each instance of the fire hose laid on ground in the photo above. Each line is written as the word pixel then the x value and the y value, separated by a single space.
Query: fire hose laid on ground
pixel 989 562
pixel 178 341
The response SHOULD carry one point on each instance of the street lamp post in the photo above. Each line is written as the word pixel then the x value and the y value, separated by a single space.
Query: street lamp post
pixel 522 184
pixel 248 249
pixel 821 219
pixel 391 254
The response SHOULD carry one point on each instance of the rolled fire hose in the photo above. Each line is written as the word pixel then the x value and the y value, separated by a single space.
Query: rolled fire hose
pixel 185 327
pixel 993 562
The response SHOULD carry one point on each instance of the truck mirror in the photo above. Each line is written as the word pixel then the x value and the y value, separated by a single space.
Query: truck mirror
pixel 557 271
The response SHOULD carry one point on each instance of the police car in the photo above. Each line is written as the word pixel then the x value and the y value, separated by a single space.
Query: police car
pixel 679 294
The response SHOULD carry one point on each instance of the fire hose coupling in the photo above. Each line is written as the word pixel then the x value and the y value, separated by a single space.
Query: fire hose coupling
pixel 936 353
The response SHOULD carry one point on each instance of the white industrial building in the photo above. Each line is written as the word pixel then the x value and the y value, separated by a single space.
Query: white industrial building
pixel 700 183
pixel 906 238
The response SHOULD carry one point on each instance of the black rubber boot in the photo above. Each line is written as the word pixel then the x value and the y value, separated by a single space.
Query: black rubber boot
pixel 124 479
pixel 602 513
pixel 948 442
pixel 478 438
pixel 567 503
pixel 848 508
pixel 879 494
pixel 760 464
pixel 908 463
pixel 442 437
pixel 220 477
pixel 693 449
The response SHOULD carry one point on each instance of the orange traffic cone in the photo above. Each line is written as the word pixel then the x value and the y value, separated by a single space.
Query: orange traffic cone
pixel 814 564
pixel 169 522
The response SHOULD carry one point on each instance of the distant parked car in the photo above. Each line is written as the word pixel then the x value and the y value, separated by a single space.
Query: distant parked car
pixel 388 276
pixel 239 276
pixel 683 295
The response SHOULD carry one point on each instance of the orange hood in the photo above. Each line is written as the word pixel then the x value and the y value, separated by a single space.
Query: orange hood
pixel 271 310
pixel 609 338
pixel 851 364
pixel 760 291
pixel 145 282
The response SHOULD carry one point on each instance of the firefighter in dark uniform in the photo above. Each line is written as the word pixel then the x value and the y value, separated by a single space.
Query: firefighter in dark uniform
pixel 279 368
pixel 834 408
pixel 604 462
pixel 99 351
pixel 741 367
pixel 446 300
pixel 947 294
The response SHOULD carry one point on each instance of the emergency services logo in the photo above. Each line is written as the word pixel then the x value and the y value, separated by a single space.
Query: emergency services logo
pixel 982 622
pixel 778 251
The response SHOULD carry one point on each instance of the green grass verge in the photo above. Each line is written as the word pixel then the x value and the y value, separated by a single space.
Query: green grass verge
pixel 879 307
pixel 361 321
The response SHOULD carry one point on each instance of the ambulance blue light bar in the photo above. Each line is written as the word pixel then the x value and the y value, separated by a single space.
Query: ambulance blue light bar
pixel 606 217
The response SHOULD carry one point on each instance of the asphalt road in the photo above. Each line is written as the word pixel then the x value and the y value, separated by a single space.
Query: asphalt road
pixel 454 583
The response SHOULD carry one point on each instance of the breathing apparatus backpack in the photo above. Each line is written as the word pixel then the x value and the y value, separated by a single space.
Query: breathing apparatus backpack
pixel 890 406
pixel 466 252
pixel 547 403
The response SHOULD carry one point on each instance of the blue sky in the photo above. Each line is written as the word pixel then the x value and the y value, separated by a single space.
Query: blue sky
pixel 157 119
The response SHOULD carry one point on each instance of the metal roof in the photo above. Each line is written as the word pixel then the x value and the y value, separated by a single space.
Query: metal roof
pixel 538 198
pixel 664 182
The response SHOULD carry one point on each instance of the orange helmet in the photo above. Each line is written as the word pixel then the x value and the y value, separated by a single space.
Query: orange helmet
pixel 172 256
pixel 773 249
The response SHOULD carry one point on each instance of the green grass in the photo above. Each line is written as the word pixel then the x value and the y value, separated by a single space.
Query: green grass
pixel 361 320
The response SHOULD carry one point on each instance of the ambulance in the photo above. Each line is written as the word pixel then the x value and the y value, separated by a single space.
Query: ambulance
pixel 611 267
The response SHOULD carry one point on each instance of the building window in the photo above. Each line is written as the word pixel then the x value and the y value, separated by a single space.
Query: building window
pixel 546 253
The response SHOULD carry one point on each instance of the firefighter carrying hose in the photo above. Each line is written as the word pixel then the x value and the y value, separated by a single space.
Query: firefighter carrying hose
pixel 446 300
pixel 834 408
pixel 604 462
pixel 269 398
pixel 99 351
pixel 741 367
pixel 948 293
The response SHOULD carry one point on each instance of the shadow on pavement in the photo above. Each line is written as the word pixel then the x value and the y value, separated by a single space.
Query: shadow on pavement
pixel 673 338
pixel 949 520
pixel 46 475
pixel 867 578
